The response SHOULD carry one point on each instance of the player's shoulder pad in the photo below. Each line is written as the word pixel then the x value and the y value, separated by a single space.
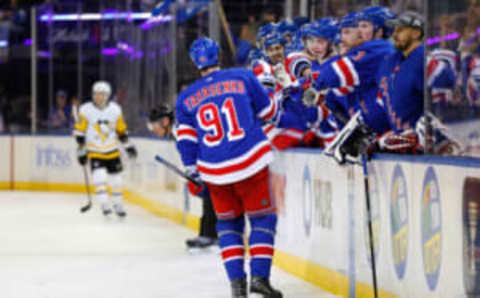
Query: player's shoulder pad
pixel 261 66
pixel 86 107
pixel 179 103
pixel 243 74
pixel 114 105
pixel 415 61
pixel 114 108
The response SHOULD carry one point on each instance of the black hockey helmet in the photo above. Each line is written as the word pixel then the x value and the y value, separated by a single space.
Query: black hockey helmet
pixel 159 112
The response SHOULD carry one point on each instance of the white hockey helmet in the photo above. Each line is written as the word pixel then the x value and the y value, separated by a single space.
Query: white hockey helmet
pixel 102 87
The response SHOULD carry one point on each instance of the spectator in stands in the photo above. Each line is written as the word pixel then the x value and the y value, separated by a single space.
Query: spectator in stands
pixel 469 44
pixel 60 117
pixel 17 114
pixel 473 83
pixel 5 14
pixel 75 103
pixel 249 30
pixel 269 15
pixel 3 109
pixel 470 41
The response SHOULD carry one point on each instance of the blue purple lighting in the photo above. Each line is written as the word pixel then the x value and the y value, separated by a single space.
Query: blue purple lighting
pixel 108 15
pixel 125 47
pixel 27 42
pixel 109 51
pixel 451 36
pixel 151 22
pixel 43 54
pixel 111 14
pixel 3 43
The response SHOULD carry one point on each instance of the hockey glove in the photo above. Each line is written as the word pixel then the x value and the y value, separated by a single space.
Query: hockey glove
pixel 196 190
pixel 281 75
pixel 311 97
pixel 131 151
pixel 403 143
pixel 352 141
pixel 444 143
pixel 82 156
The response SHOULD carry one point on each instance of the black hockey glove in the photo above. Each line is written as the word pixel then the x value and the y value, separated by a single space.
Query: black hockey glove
pixel 351 142
pixel 82 156
pixel 131 151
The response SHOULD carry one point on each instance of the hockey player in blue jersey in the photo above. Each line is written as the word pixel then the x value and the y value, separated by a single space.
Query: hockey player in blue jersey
pixel 358 67
pixel 219 137
pixel 473 83
pixel 318 38
pixel 401 76
pixel 401 94
pixel 288 30
pixel 401 79
pixel 274 48
pixel 441 78
pixel 263 32
pixel 290 129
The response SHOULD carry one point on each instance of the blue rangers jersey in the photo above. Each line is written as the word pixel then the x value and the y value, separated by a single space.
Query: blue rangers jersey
pixel 358 70
pixel 338 100
pixel 401 83
pixel 218 127
pixel 441 80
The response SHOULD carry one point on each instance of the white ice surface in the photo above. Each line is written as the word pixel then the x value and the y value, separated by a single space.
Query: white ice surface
pixel 49 250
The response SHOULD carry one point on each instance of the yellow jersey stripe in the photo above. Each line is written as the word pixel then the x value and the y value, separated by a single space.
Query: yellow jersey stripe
pixel 103 156
pixel 81 125
pixel 102 147
pixel 121 126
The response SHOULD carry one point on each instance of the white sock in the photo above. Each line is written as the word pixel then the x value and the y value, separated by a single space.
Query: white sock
pixel 116 185
pixel 99 177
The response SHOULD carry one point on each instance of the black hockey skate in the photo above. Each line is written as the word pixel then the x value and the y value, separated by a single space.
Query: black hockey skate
pixel 239 288
pixel 106 210
pixel 119 210
pixel 260 287
pixel 200 242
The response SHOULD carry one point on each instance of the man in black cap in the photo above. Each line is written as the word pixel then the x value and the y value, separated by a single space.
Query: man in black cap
pixel 409 31
pixel 401 82
pixel 161 123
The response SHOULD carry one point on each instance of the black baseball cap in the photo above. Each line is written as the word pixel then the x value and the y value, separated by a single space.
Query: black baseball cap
pixel 409 19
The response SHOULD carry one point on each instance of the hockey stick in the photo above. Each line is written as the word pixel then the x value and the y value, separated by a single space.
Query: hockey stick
pixel 85 174
pixel 371 241
pixel 176 170
pixel 366 181
pixel 89 196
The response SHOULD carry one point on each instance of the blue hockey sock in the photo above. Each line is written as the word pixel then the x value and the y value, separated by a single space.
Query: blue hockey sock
pixel 230 238
pixel 261 244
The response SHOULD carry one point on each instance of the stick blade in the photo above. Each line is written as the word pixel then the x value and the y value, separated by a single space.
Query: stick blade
pixel 86 208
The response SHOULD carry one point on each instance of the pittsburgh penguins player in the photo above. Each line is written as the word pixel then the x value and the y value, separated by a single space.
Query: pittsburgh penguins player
pixel 100 130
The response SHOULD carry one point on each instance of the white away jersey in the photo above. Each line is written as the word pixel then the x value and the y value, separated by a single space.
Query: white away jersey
pixel 101 129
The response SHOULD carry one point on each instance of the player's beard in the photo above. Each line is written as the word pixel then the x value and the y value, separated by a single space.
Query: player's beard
pixel 277 58
pixel 404 44
pixel 276 54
